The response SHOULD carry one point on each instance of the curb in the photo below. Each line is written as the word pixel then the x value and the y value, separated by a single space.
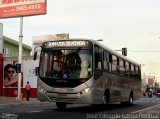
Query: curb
pixel 14 101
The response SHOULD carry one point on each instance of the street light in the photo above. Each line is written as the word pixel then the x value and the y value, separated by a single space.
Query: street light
pixel 142 64
pixel 142 70
pixel 143 78
pixel 100 40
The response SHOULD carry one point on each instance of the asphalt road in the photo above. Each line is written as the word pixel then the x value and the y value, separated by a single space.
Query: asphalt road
pixel 48 110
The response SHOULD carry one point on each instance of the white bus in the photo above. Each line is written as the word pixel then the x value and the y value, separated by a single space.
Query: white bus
pixel 84 71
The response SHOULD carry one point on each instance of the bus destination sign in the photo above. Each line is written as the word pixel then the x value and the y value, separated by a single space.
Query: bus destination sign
pixel 66 44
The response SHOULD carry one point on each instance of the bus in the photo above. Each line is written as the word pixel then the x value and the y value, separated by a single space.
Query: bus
pixel 83 71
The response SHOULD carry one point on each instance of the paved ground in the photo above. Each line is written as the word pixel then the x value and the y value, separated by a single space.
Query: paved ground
pixel 152 112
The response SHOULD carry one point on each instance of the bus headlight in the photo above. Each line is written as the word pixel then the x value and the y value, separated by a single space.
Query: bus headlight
pixel 85 91
pixel 41 89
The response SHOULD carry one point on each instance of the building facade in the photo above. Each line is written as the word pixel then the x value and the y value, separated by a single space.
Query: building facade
pixel 11 48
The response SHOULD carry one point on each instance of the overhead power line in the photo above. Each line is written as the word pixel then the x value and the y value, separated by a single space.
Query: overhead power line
pixel 143 51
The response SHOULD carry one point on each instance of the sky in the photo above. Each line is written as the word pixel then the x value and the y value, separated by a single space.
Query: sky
pixel 134 24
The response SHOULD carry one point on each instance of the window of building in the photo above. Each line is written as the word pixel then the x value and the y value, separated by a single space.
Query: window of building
pixel 6 51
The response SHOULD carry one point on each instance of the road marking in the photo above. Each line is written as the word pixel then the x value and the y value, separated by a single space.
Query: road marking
pixel 146 109
pixel 35 111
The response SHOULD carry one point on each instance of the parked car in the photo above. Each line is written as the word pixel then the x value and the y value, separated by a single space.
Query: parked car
pixel 158 92
pixel 144 94
pixel 150 94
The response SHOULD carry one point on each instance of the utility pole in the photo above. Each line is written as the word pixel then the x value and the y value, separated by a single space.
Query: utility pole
pixel 20 58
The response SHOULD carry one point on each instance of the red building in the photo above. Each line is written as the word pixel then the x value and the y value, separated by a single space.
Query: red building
pixel 151 81
pixel 28 74
pixel 1 74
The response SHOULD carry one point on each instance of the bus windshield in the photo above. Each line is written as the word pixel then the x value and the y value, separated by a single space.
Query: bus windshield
pixel 66 64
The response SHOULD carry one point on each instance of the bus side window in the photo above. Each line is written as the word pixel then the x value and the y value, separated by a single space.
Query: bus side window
pixel 98 57
pixel 132 74
pixel 106 61
pixel 114 64
pixel 99 65
pixel 118 67
pixel 138 73
pixel 98 61
pixel 121 67
pixel 110 62
pixel 127 68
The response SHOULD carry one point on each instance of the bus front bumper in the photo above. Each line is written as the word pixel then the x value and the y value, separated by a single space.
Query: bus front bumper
pixel 85 97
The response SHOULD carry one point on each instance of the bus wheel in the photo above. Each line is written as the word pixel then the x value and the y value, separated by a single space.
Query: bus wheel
pixel 106 97
pixel 61 105
pixel 130 102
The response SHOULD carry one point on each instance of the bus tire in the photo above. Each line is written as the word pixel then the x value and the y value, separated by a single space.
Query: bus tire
pixel 61 105
pixel 106 97
pixel 130 101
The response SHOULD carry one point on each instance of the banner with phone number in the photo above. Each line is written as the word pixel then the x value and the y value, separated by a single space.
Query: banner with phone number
pixel 19 8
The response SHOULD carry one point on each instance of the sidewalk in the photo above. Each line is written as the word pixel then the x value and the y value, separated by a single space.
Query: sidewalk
pixel 13 100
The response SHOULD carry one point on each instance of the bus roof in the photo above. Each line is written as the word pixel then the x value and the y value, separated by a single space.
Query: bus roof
pixel 115 53
pixel 103 46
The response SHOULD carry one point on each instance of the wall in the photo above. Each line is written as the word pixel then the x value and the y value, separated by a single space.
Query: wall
pixel 1 74
pixel 28 71
pixel 11 48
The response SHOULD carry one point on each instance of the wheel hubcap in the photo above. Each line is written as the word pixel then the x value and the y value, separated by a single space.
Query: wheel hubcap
pixel 131 100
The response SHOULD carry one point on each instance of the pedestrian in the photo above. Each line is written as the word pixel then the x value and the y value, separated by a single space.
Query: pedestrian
pixel 28 90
